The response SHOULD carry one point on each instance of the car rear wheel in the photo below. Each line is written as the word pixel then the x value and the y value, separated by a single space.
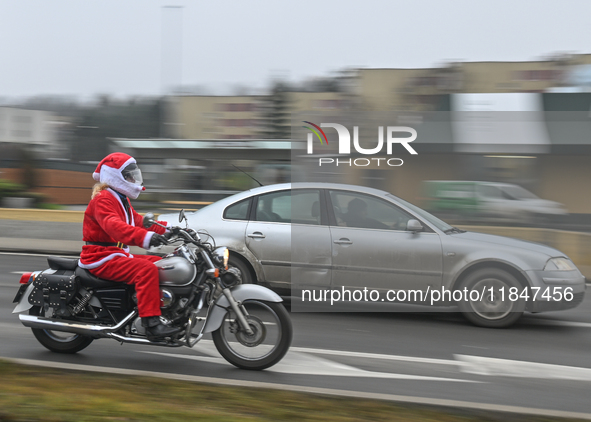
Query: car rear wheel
pixel 487 300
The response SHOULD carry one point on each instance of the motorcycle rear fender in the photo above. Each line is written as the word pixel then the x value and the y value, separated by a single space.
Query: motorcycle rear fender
pixel 23 304
pixel 241 293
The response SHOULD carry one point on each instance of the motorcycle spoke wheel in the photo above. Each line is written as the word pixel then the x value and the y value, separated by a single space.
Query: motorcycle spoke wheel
pixel 268 343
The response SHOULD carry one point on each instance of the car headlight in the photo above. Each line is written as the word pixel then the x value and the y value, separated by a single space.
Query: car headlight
pixel 221 256
pixel 559 264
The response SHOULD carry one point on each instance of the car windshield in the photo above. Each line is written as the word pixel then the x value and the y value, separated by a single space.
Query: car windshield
pixel 517 192
pixel 422 214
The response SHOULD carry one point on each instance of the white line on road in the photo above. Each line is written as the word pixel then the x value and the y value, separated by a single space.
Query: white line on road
pixel 302 364
pixel 479 365
pixel 312 390
pixel 374 356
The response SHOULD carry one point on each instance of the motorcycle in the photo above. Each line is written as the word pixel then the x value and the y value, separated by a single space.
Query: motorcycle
pixel 69 307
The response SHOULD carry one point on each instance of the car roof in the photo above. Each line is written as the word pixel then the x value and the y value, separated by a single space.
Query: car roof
pixel 299 185
pixel 315 185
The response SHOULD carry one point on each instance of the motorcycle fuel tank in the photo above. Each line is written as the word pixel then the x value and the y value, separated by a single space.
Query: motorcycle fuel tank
pixel 175 271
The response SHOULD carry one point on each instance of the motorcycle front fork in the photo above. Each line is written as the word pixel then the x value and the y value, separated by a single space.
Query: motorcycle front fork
pixel 239 310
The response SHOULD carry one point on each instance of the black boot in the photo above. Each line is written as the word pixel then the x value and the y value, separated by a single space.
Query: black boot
pixel 156 330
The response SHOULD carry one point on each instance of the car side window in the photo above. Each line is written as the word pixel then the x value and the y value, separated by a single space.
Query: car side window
pixel 296 206
pixel 363 211
pixel 488 191
pixel 238 211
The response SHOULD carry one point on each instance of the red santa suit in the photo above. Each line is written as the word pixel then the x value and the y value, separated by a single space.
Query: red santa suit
pixel 110 227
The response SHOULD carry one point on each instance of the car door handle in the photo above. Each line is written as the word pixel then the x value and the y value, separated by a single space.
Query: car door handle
pixel 343 241
pixel 256 235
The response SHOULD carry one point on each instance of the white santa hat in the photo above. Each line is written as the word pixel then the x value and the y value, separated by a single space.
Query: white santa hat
pixel 109 171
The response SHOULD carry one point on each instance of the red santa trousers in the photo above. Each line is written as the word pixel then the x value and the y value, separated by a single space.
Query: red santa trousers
pixel 139 271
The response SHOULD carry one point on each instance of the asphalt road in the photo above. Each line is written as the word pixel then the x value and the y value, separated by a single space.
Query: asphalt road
pixel 544 362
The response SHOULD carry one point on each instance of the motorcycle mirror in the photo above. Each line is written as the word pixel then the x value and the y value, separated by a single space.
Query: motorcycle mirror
pixel 182 216
pixel 148 220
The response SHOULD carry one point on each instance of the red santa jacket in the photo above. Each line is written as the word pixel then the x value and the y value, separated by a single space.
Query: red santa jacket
pixel 106 221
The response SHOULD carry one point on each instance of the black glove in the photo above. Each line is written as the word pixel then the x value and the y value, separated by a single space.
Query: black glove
pixel 157 240
pixel 174 230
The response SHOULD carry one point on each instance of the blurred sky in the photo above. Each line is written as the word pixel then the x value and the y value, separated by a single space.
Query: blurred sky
pixel 87 47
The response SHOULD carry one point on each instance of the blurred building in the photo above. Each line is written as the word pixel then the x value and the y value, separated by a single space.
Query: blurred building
pixel 421 89
pixel 235 117
pixel 211 117
pixel 34 129
pixel 541 141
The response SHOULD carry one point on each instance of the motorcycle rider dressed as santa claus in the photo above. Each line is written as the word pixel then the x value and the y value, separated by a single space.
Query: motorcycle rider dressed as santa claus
pixel 110 226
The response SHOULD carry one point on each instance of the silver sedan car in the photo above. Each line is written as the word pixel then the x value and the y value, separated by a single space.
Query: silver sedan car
pixel 334 237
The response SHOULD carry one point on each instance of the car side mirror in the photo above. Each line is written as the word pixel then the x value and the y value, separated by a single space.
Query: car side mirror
pixel 148 220
pixel 414 226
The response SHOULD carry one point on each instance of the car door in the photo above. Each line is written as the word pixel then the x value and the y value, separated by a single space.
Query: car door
pixel 494 203
pixel 376 251
pixel 289 235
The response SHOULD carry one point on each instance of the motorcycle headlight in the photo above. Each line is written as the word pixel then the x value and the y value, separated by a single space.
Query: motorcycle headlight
pixel 221 256
pixel 559 264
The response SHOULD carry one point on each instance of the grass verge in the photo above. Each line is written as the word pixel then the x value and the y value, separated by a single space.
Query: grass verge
pixel 30 393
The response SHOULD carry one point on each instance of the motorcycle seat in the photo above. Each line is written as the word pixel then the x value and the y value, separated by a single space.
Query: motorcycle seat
pixel 88 280
pixel 58 263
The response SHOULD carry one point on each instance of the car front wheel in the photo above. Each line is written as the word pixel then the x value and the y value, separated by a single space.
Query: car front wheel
pixel 245 273
pixel 489 299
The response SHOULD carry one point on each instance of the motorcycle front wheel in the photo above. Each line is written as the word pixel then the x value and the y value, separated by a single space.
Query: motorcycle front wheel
pixel 57 341
pixel 271 338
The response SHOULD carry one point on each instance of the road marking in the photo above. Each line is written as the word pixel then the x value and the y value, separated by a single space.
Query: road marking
pixel 479 365
pixel 374 356
pixel 295 363
pixel 207 346
pixel 476 365
pixel 312 390
pixel 575 324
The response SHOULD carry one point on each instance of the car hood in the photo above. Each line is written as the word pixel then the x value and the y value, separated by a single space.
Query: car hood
pixel 507 242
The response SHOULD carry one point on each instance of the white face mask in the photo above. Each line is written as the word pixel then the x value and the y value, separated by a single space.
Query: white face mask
pixel 131 190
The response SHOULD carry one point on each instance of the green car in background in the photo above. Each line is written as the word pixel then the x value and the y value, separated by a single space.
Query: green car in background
pixel 488 201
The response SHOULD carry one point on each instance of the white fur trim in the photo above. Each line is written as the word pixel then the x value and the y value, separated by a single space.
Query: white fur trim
pixel 146 244
pixel 101 262
pixel 122 206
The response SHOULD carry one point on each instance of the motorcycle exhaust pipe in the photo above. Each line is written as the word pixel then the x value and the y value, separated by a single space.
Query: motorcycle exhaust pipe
pixel 144 341
pixel 91 330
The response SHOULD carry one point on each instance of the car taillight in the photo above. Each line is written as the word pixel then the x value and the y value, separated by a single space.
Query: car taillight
pixel 26 277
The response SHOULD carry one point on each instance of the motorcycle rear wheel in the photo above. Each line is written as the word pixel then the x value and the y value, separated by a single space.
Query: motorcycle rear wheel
pixel 270 341
pixel 57 341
